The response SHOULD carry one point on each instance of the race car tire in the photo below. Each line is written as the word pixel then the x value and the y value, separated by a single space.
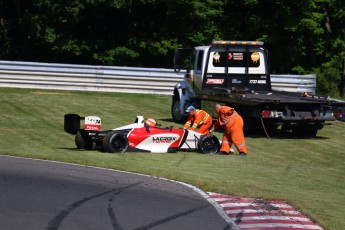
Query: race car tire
pixel 83 142
pixel 208 144
pixel 115 143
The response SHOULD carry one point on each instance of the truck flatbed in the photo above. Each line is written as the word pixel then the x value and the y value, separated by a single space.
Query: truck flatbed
pixel 275 97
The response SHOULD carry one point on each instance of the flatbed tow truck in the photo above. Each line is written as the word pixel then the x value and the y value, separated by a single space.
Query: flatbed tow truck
pixel 236 73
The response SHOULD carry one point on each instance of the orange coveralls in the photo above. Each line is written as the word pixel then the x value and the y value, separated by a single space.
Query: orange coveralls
pixel 200 119
pixel 233 125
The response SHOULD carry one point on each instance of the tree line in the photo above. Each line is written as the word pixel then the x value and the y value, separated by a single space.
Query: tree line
pixel 303 37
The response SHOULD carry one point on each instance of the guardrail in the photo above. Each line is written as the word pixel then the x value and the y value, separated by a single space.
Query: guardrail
pixel 116 79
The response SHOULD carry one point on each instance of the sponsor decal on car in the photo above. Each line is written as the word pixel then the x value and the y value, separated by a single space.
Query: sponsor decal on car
pixel 163 139
pixel 159 142
pixel 92 123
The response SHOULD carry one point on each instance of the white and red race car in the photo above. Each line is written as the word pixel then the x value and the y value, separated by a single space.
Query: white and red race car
pixel 136 137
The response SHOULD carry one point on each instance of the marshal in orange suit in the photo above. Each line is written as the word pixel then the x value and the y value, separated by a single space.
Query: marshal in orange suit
pixel 233 126
pixel 198 118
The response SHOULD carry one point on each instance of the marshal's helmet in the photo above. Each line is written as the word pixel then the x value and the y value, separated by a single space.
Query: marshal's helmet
pixel 150 122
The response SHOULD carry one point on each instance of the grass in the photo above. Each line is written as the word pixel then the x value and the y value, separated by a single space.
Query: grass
pixel 308 173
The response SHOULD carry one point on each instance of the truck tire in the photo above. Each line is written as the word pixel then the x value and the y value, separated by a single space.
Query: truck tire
pixel 83 142
pixel 175 111
pixel 208 144
pixel 252 125
pixel 115 143
pixel 304 130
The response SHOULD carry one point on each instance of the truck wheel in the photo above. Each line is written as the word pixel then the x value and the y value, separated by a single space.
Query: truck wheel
pixel 208 144
pixel 304 130
pixel 115 143
pixel 175 112
pixel 252 125
pixel 83 142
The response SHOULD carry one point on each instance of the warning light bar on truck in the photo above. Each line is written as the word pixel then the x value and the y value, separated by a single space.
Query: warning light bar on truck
pixel 260 43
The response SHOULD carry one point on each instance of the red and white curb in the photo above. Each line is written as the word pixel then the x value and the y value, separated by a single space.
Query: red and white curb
pixel 257 214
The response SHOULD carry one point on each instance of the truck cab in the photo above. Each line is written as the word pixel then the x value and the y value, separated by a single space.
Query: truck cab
pixel 230 66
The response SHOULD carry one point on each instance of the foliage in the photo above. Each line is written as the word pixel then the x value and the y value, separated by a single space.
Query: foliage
pixel 302 36
pixel 328 80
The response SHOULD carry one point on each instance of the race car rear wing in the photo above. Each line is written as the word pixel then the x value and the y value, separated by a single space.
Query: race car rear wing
pixel 72 123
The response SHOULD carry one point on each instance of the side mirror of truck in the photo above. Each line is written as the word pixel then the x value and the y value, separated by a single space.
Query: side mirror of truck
pixel 177 68
pixel 177 60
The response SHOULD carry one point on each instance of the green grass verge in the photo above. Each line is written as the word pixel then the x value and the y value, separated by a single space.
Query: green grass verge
pixel 308 173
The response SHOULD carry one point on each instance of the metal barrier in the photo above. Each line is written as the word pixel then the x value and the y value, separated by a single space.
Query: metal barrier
pixel 116 79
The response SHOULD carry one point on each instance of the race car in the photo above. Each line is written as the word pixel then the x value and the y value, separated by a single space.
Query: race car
pixel 137 136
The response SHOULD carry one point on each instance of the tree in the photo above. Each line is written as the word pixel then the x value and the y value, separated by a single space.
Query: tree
pixel 302 36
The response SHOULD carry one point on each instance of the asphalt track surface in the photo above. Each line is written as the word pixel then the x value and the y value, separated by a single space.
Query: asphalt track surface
pixel 48 195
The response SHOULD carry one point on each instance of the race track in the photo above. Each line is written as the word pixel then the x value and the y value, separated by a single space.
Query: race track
pixel 47 195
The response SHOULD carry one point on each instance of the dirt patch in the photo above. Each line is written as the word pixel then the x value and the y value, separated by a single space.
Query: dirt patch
pixel 51 93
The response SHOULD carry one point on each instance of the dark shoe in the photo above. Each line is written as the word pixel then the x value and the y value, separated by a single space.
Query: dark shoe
pixel 222 153
pixel 242 154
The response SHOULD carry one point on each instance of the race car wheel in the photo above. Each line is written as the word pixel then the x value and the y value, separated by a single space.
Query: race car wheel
pixel 115 143
pixel 208 144
pixel 83 142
